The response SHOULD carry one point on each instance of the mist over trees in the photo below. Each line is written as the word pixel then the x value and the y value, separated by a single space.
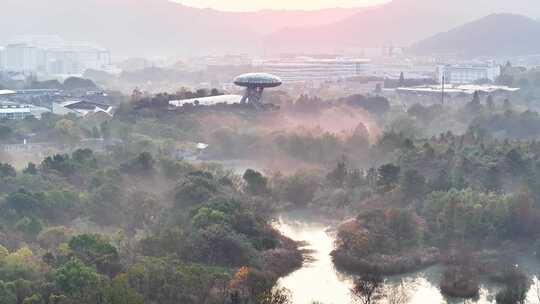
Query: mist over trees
pixel 396 182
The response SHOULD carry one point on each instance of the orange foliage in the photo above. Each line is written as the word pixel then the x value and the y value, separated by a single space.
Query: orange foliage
pixel 240 278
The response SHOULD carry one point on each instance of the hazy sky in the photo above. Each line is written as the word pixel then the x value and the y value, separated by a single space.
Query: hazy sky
pixel 250 5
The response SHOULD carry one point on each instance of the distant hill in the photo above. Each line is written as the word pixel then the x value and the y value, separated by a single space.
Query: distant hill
pixel 397 23
pixel 494 35
pixel 164 28
pixel 154 27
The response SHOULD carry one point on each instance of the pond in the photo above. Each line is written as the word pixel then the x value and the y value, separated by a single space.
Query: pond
pixel 319 281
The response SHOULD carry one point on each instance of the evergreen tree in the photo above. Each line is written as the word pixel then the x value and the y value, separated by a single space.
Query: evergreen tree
pixel 401 79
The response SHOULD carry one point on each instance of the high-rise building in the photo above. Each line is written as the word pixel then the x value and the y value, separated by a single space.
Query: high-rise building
pixel 52 55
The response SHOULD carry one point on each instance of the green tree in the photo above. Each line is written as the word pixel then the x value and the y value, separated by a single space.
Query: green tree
pixel 60 163
pixel 120 292
pixel 338 176
pixel 52 237
pixel 256 182
pixel 34 299
pixel 29 226
pixel 142 164
pixel 68 131
pixel 388 177
pixel 77 280
pixel 95 132
pixel 75 83
pixel 96 251
pixel 5 132
pixel 3 253
pixel 31 169
pixel 6 294
pixel 195 189
pixel 23 202
pixel 206 217
pixel 6 170
pixel 474 106
pixel 299 188
pixel 84 158
pixel 105 130
pixel 442 182
pixel 413 184
pixel 401 79
pixel 491 180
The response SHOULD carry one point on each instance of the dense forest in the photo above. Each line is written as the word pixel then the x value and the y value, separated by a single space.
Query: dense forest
pixel 87 228
pixel 131 222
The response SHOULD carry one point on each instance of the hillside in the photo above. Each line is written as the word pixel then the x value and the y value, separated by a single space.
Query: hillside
pixel 154 27
pixel 494 35
pixel 163 28
pixel 400 22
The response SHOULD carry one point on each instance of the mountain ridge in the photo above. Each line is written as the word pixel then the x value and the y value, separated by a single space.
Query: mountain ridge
pixel 165 28
pixel 160 28
pixel 493 35
pixel 397 23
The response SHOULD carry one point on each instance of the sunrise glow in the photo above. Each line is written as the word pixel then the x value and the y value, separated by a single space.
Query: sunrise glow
pixel 250 5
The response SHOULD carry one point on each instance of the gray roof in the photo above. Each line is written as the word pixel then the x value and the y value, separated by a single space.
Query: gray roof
pixel 258 79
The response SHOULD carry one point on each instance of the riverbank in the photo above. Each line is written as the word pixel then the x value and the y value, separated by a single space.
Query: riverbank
pixel 319 280
pixel 384 264
pixel 285 259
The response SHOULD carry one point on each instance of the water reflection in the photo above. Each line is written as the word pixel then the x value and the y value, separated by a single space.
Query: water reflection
pixel 319 281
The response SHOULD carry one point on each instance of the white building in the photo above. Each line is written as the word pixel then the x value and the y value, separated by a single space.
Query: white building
pixel 23 58
pixel 52 55
pixel 466 74
pixel 14 111
pixel 7 93
pixel 456 90
pixel 308 69
pixel 208 101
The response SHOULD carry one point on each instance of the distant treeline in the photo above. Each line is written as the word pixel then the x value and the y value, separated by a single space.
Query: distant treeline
pixel 71 83
pixel 162 100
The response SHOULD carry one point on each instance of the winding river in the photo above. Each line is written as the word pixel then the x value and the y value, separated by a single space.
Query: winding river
pixel 318 280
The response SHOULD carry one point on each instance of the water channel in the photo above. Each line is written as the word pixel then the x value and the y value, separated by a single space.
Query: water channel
pixel 318 280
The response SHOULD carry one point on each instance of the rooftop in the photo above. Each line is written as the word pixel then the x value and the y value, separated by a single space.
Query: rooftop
pixel 465 89
pixel 208 101
pixel 7 92
pixel 258 79
pixel 84 105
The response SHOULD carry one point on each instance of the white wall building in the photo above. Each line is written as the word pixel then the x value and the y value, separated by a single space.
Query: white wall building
pixel 52 55
pixel 306 69
pixel 208 101
pixel 23 58
pixel 466 74
pixel 14 111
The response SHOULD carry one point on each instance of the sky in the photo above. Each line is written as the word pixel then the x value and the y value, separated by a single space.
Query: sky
pixel 254 5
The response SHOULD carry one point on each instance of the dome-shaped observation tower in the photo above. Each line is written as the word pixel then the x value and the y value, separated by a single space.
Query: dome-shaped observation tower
pixel 255 83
